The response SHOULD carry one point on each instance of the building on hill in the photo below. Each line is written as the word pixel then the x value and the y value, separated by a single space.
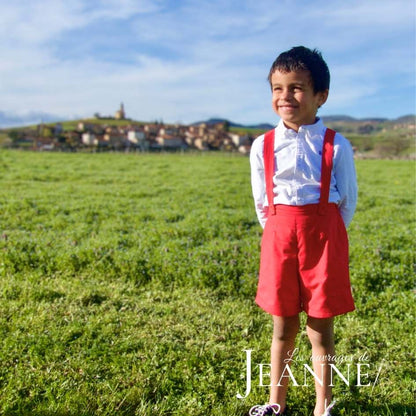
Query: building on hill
pixel 170 141
pixel 137 138
pixel 89 139
pixel 120 114
pixel 238 139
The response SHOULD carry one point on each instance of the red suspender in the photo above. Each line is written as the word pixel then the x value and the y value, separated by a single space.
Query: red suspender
pixel 268 156
pixel 326 169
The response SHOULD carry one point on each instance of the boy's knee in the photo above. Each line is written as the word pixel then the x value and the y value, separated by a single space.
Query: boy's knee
pixel 321 340
pixel 320 332
pixel 285 328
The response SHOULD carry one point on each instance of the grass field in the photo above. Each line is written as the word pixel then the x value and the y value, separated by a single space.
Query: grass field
pixel 127 287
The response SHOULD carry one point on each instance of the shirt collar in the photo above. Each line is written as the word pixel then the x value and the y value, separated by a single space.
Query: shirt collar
pixel 310 130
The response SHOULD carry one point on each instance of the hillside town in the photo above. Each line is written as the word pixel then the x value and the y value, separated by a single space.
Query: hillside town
pixel 370 138
pixel 107 133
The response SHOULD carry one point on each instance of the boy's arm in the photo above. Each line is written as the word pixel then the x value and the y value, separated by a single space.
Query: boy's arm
pixel 346 181
pixel 258 185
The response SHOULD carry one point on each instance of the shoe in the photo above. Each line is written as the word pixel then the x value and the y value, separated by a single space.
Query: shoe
pixel 267 410
pixel 327 410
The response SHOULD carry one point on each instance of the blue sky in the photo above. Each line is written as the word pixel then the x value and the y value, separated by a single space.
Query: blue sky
pixel 189 60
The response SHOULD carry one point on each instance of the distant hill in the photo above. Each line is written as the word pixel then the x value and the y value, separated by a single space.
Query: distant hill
pixel 370 137
pixel 341 123
pixel 260 126
pixel 344 119
pixel 8 119
pixel 411 118
pixel 337 118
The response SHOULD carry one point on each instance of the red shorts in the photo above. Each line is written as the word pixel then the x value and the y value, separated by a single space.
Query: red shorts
pixel 304 263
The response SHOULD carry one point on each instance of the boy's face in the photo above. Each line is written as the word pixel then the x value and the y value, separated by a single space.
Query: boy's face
pixel 294 99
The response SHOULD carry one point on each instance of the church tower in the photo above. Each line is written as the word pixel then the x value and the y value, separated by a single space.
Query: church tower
pixel 120 114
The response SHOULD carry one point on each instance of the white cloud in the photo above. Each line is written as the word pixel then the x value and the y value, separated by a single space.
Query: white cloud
pixel 31 23
pixel 122 9
pixel 194 59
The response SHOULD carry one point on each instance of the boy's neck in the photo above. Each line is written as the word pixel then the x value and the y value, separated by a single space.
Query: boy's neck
pixel 296 127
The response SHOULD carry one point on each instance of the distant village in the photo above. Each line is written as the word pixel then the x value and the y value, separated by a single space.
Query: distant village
pixel 106 134
pixel 370 138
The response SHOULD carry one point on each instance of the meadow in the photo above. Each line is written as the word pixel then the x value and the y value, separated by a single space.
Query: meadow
pixel 127 286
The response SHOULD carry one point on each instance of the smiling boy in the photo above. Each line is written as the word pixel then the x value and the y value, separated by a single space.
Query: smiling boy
pixel 294 98
pixel 305 192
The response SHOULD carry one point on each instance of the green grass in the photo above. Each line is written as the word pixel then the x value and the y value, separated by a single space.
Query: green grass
pixel 127 286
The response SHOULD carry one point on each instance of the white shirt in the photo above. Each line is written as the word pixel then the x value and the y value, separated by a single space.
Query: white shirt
pixel 298 175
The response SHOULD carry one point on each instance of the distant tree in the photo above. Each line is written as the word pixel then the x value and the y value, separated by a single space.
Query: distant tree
pixel 400 144
pixel 392 147
pixel 366 129
pixel 366 144
pixel 14 136
pixel 47 132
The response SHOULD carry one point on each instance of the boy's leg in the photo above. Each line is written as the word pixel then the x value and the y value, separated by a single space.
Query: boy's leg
pixel 321 335
pixel 284 335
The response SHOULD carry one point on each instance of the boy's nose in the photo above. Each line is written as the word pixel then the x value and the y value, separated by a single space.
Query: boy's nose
pixel 285 94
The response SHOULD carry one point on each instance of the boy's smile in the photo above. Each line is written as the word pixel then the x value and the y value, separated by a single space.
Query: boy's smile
pixel 294 99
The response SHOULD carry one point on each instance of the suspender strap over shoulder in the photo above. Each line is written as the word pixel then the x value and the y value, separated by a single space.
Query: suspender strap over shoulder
pixel 269 168
pixel 326 169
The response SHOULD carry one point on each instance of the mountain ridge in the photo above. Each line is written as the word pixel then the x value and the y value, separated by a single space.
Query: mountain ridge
pixel 409 118
pixel 15 121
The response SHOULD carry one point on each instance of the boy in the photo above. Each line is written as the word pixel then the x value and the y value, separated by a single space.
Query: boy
pixel 305 192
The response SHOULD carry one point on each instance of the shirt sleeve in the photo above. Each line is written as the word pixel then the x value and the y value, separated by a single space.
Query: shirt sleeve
pixel 346 180
pixel 258 185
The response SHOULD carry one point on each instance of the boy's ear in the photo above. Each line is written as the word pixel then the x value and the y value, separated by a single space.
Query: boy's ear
pixel 322 97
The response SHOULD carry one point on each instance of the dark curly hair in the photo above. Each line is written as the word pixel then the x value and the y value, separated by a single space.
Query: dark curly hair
pixel 300 58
